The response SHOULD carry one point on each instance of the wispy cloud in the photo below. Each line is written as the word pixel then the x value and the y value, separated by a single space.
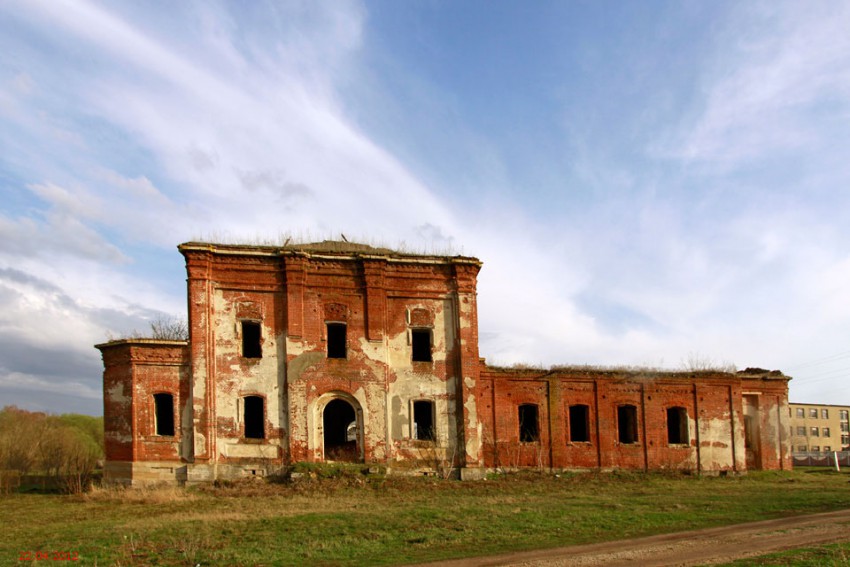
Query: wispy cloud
pixel 156 126
pixel 781 78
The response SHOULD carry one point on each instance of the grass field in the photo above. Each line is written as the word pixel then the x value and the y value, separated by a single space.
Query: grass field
pixel 816 556
pixel 351 519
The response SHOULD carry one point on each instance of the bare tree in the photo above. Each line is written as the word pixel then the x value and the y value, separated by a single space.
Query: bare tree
pixel 170 328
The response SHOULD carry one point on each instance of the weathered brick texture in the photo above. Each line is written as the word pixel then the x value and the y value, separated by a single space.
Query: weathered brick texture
pixel 338 351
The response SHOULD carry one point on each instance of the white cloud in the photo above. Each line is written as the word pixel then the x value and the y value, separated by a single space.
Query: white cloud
pixel 781 62
pixel 149 137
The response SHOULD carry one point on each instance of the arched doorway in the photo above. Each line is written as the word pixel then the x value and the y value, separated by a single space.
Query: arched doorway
pixel 340 432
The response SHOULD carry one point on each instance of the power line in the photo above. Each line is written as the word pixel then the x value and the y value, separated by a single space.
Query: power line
pixel 825 373
pixel 825 360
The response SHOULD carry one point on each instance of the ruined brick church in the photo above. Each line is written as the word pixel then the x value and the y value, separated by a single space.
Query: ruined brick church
pixel 337 351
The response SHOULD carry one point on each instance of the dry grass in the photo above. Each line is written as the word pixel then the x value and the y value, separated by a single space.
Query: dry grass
pixel 635 370
pixel 332 242
pixel 144 495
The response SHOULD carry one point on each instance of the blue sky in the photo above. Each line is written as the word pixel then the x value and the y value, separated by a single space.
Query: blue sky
pixel 652 184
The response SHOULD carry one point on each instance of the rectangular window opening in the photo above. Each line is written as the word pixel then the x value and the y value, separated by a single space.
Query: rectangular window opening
pixel 423 420
pixel 254 417
pixel 529 431
pixel 801 431
pixel 677 426
pixel 813 413
pixel 814 432
pixel 164 414
pixel 824 414
pixel 627 424
pixel 579 424
pixel 801 412
pixel 251 347
pixel 337 338
pixel 421 343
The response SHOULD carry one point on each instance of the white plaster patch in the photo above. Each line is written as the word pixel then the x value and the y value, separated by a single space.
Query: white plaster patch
pixel 250 451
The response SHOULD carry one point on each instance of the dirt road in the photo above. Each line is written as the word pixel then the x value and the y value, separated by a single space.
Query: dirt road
pixel 700 547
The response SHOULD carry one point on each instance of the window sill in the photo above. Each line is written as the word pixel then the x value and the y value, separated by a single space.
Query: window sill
pixel 160 438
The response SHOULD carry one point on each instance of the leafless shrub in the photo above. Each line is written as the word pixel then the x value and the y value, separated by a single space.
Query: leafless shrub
pixel 696 362
pixel 169 328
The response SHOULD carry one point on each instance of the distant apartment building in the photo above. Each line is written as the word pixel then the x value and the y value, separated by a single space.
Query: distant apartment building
pixel 819 428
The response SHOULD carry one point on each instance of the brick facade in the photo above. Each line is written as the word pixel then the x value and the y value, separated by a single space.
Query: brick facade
pixel 338 351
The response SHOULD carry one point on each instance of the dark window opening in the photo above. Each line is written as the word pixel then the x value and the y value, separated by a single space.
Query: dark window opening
pixel 677 426
pixel 336 340
pixel 255 417
pixel 529 432
pixel 423 420
pixel 421 343
pixel 251 347
pixel 164 414
pixel 627 424
pixel 579 424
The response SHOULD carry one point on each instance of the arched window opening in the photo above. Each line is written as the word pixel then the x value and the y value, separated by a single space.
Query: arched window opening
pixel 255 417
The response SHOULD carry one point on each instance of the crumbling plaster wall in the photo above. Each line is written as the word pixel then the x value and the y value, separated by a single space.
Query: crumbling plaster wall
pixel 766 395
pixel 433 381
pixel 381 300
pixel 238 376
pixel 378 371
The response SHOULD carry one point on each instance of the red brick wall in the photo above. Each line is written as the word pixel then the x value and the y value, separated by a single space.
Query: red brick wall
pixel 294 295
pixel 381 298
pixel 768 394
pixel 707 398
pixel 135 370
